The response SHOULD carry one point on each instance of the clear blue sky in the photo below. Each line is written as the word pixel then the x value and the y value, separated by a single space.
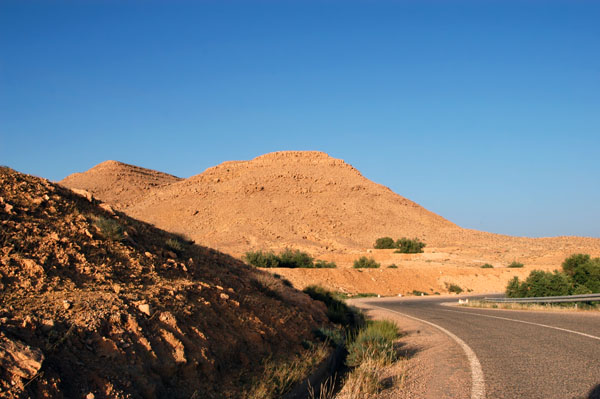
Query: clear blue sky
pixel 485 112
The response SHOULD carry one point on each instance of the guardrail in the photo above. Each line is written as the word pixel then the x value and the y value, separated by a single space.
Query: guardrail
pixel 547 299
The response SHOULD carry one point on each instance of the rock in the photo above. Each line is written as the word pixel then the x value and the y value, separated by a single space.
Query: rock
pixel 67 305
pixel 172 254
pixel 87 233
pixel 90 396
pixel 47 325
pixel 19 359
pixel 107 208
pixel 224 296
pixel 85 194
pixel 145 309
pixel 8 208
pixel 116 288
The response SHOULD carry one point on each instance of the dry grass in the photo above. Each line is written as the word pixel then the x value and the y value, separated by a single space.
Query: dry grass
pixel 530 306
pixel 279 377
pixel 373 354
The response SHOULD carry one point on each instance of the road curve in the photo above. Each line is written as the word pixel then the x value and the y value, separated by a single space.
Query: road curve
pixel 522 354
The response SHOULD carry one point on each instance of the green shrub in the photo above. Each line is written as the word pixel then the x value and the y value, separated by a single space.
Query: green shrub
pixel 322 264
pixel 295 259
pixel 262 259
pixel 408 246
pixel 515 289
pixel 374 341
pixel 334 336
pixel 454 288
pixel 337 310
pixel 588 274
pixel 574 261
pixel 365 263
pixel 110 229
pixel 419 293
pixel 385 243
pixel 175 245
pixel 514 264
pixel 487 266
pixel 364 295
pixel 392 266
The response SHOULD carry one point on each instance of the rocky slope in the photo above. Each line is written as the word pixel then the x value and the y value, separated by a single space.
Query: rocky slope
pixel 118 183
pixel 86 311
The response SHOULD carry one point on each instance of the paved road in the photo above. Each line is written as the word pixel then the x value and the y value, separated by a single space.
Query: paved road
pixel 522 354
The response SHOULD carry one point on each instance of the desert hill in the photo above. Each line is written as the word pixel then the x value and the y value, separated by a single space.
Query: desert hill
pixel 300 199
pixel 313 202
pixel 118 183
pixel 94 302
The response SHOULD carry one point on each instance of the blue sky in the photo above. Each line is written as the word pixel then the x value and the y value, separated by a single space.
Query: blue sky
pixel 485 112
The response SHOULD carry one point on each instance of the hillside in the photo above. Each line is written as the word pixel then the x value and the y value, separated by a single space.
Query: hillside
pixel 313 202
pixel 118 183
pixel 299 199
pixel 89 313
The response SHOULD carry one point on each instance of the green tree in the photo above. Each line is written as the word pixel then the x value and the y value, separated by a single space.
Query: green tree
pixel 572 262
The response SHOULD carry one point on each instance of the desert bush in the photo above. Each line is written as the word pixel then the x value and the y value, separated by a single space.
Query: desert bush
pixel 385 243
pixel 374 341
pixel 574 261
pixel 515 289
pixel 295 259
pixel 392 266
pixel 288 258
pixel 588 275
pixel 487 266
pixel 176 245
pixel 408 246
pixel 514 264
pixel 323 264
pixel 334 336
pixel 540 283
pixel 278 377
pixel 419 293
pixel 262 259
pixel 454 288
pixel 337 310
pixel 364 262
pixel 110 229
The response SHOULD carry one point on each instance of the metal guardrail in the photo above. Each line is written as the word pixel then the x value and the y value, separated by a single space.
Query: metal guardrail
pixel 547 299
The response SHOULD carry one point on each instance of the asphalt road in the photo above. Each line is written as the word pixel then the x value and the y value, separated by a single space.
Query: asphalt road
pixel 522 354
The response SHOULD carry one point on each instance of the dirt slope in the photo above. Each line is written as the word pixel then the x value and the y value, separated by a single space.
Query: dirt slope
pixel 118 183
pixel 82 314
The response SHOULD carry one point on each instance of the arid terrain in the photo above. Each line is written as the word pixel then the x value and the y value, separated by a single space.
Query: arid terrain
pixel 315 203
pixel 87 311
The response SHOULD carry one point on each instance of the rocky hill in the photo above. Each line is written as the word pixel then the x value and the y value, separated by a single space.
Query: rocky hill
pixel 118 183
pixel 95 304
pixel 299 199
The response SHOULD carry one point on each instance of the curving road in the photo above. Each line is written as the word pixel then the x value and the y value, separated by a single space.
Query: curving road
pixel 521 354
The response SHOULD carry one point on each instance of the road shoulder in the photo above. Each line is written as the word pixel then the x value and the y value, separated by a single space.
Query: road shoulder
pixel 436 367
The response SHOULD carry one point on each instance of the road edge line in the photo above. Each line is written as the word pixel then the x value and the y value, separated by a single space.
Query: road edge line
pixel 477 380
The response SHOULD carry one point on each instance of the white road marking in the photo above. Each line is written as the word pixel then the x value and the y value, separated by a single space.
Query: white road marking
pixel 526 322
pixel 477 381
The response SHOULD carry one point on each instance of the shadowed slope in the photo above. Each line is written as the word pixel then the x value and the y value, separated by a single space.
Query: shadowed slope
pixel 129 314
